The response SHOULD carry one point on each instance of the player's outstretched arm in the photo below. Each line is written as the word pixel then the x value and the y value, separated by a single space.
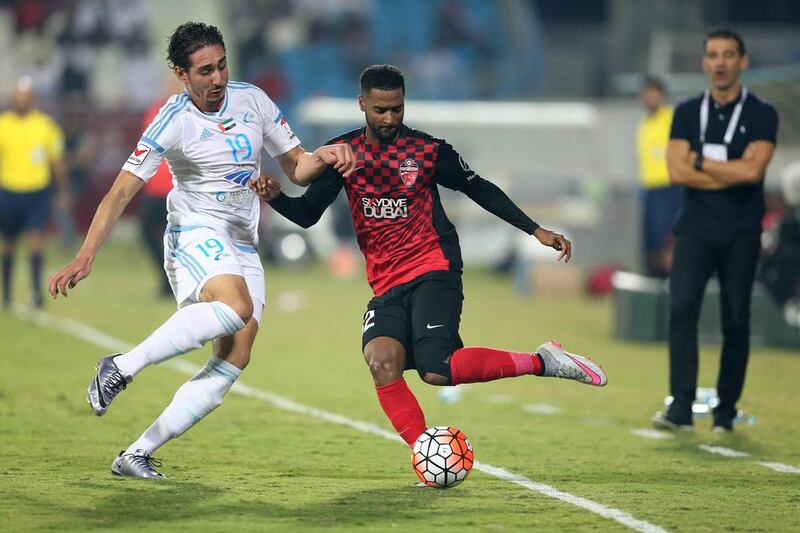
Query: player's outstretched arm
pixel 306 210
pixel 556 241
pixel 454 173
pixel 108 212
pixel 303 167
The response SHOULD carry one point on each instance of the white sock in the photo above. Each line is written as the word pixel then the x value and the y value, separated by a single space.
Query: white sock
pixel 188 329
pixel 193 401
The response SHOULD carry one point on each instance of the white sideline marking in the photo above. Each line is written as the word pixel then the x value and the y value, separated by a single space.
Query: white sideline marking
pixel 540 409
pixel 652 434
pixel 780 467
pixel 719 450
pixel 98 338
pixel 723 451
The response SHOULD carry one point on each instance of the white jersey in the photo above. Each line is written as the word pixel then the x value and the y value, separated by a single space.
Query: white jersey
pixel 212 157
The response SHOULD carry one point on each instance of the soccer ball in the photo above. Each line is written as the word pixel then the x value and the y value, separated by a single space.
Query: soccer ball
pixel 442 457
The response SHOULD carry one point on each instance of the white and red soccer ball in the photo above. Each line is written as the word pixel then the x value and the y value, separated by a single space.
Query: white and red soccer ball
pixel 442 457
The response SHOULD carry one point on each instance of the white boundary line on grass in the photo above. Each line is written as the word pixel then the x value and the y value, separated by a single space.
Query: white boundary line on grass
pixel 722 450
pixel 102 340
pixel 780 467
pixel 717 450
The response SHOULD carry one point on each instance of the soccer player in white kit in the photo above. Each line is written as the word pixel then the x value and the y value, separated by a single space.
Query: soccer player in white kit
pixel 212 136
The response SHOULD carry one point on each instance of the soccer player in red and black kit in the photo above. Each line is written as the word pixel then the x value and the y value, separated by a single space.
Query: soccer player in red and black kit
pixel 413 256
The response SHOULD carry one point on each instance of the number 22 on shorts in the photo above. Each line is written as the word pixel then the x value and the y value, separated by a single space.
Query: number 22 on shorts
pixel 369 320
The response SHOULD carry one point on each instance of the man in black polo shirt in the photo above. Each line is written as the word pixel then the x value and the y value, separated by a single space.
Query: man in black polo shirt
pixel 719 148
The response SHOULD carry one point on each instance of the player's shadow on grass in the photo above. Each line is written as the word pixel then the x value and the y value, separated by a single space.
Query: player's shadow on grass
pixel 132 504
pixel 384 506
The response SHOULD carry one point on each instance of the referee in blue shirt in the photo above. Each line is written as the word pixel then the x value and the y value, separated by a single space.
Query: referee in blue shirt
pixel 720 144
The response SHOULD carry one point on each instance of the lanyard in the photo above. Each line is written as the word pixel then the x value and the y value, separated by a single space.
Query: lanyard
pixel 734 121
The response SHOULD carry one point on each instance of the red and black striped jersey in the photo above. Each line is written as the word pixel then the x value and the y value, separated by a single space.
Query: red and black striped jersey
pixel 400 224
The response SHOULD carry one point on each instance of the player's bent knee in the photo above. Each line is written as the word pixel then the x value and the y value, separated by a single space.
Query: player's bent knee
pixel 242 306
pixel 385 358
pixel 232 291
pixel 382 366
pixel 432 360
pixel 435 379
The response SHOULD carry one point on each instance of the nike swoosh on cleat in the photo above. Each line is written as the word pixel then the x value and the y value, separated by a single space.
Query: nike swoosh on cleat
pixel 99 392
pixel 596 379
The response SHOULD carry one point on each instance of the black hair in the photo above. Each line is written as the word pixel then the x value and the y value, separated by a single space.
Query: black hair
pixel 724 33
pixel 651 81
pixel 383 77
pixel 187 39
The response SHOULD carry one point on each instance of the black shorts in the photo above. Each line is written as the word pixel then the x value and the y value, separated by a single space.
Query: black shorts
pixel 22 211
pixel 423 315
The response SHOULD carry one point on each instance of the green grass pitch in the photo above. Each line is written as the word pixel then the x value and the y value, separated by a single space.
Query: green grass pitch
pixel 253 466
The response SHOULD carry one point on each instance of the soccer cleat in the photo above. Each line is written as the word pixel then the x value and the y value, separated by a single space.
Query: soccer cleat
pixel 663 421
pixel 562 364
pixel 107 383
pixel 137 464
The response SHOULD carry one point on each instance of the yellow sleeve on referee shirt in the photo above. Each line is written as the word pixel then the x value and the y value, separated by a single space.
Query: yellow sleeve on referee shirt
pixel 652 140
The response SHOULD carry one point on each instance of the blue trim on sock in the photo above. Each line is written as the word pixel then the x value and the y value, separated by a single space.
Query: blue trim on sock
pixel 214 366
pixel 227 323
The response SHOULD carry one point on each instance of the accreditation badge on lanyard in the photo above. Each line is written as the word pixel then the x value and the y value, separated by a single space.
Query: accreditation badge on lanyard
pixel 719 152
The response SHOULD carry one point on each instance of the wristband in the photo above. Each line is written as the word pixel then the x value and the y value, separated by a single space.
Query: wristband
pixel 698 163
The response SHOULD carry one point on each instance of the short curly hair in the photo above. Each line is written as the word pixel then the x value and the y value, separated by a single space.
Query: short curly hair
pixel 382 77
pixel 187 39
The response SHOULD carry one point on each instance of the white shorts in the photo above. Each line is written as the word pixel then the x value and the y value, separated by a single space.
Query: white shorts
pixel 196 254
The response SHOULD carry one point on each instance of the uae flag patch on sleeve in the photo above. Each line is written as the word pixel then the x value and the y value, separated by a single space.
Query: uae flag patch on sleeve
pixel 226 125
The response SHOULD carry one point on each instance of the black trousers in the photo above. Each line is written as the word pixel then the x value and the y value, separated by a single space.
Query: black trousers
pixel 696 258
pixel 153 223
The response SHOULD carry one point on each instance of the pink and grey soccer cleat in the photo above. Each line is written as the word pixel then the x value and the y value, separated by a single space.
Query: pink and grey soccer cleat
pixel 559 363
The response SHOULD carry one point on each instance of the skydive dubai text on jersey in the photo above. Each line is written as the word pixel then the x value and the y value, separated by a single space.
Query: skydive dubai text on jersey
pixel 385 207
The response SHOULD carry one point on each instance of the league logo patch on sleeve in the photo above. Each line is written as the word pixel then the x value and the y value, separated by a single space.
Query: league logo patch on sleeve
pixel 139 154
pixel 280 120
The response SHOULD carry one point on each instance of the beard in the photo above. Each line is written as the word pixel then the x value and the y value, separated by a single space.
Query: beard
pixel 385 134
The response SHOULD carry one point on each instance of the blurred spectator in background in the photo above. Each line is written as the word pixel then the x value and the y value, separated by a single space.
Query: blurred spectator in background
pixel 153 206
pixel 139 71
pixel 80 150
pixel 660 200
pixel 780 261
pixel 31 153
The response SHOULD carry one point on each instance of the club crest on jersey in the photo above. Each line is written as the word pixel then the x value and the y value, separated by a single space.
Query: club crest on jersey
pixel 409 170
pixel 139 154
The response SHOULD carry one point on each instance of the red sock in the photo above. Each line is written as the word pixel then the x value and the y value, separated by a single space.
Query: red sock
pixel 403 410
pixel 477 364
